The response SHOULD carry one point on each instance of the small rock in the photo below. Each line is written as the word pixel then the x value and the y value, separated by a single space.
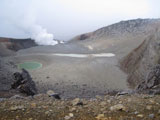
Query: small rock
pixel 67 117
pixel 118 107
pixel 33 105
pixel 98 97
pixel 151 116
pixel 71 114
pixel 47 112
pixel 50 110
pixel 136 112
pixel 1 99
pixel 77 101
pixel 40 97
pixel 17 117
pixel 100 116
pixel 152 101
pixel 140 115
pixel 103 109
pixel 103 103
pixel 159 112
pixel 17 97
pixel 47 77
pixel 148 96
pixel 51 93
pixel 109 101
pixel 14 108
pixel 72 109
pixel 129 99
pixel 56 96
pixel 122 93
pixel 45 107
pixel 104 112
pixel 149 107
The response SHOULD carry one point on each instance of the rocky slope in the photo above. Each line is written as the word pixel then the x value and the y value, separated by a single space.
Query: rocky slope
pixel 8 46
pixel 7 68
pixel 120 38
pixel 142 60
pixel 136 45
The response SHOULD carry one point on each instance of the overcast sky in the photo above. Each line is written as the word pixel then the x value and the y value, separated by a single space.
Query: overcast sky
pixel 67 18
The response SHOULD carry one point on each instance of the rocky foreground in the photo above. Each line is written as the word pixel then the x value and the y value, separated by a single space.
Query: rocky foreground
pixel 44 107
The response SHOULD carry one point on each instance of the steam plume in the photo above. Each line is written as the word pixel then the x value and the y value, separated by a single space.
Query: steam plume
pixel 37 32
pixel 22 16
pixel 41 36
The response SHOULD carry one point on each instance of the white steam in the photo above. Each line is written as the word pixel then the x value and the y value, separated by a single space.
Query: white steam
pixel 37 32
pixel 41 36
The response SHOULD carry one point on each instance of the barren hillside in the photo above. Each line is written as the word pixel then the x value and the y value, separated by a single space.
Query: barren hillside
pixel 120 38
pixel 8 46
pixel 141 60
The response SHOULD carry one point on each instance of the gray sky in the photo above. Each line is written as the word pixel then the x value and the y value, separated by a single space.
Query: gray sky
pixel 67 18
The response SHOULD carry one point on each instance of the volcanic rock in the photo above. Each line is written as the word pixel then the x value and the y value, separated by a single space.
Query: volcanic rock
pixel 152 83
pixel 77 101
pixel 142 64
pixel 118 107
pixel 24 83
pixel 51 93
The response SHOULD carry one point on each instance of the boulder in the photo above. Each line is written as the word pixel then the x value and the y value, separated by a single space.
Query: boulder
pixel 24 83
pixel 151 85
pixel 77 102
pixel 153 78
pixel 51 93
pixel 118 107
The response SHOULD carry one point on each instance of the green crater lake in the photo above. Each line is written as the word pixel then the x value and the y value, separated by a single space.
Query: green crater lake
pixel 30 65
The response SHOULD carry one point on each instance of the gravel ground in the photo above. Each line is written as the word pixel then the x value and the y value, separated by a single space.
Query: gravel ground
pixel 43 107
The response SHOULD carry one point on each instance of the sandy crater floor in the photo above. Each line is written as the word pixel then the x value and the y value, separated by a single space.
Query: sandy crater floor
pixel 74 75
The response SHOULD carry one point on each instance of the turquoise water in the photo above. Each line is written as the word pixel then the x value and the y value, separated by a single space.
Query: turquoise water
pixel 30 65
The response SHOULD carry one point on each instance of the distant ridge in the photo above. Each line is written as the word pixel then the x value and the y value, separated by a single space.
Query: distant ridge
pixel 121 27
pixel 121 37
pixel 8 46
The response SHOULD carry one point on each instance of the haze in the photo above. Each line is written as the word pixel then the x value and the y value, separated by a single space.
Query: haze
pixel 68 18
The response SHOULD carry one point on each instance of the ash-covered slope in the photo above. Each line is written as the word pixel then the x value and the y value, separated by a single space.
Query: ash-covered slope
pixel 119 38
pixel 7 68
pixel 9 46
pixel 140 64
